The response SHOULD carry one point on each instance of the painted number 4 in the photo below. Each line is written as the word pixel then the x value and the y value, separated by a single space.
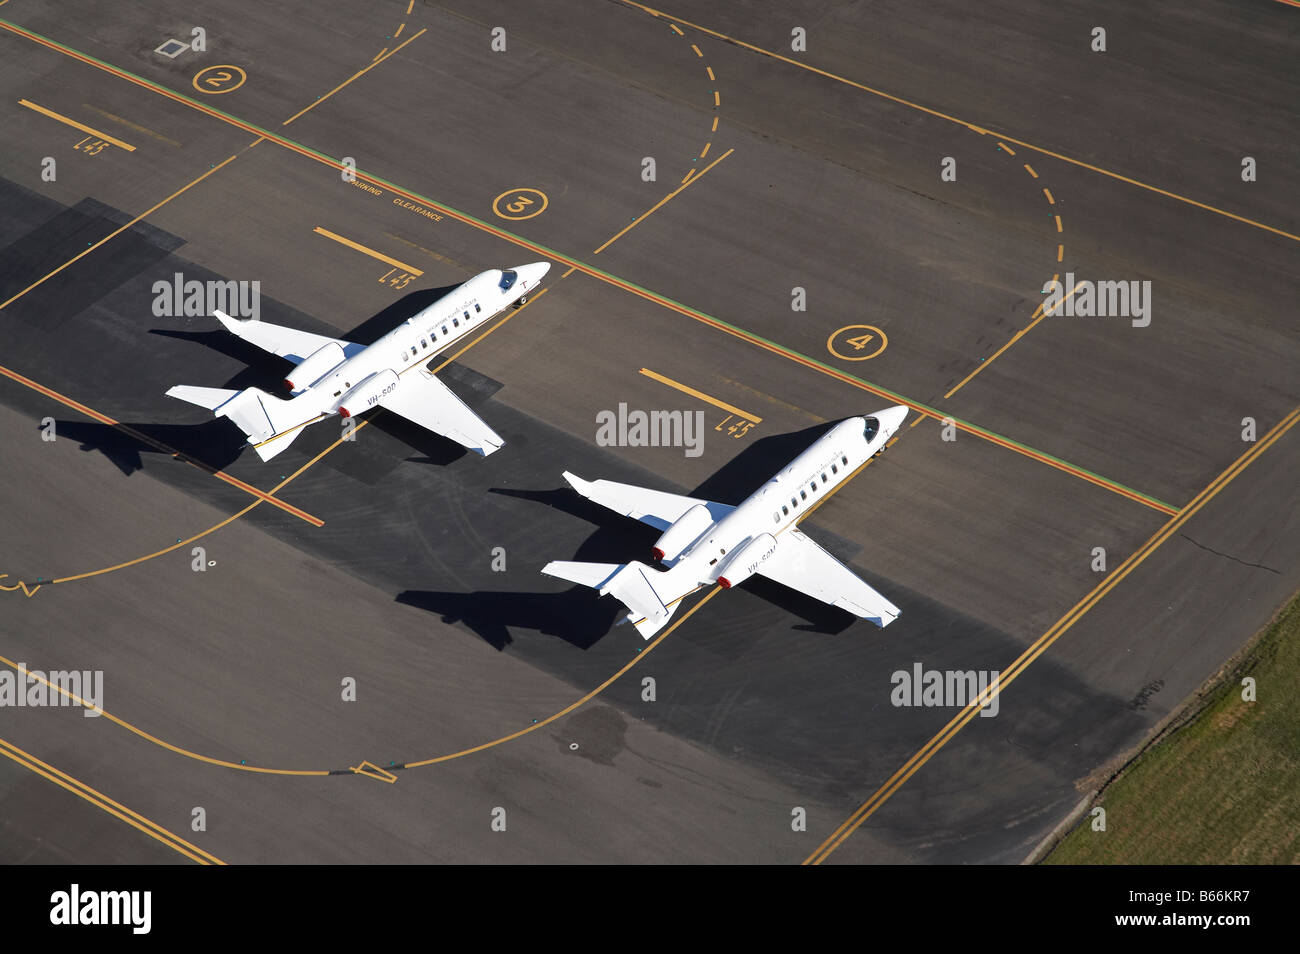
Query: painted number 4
pixel 861 341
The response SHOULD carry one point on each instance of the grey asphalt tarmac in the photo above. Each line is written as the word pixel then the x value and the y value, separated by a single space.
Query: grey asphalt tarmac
pixel 414 578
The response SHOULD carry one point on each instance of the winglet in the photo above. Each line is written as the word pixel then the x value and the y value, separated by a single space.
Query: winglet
pixel 577 483
pixel 230 324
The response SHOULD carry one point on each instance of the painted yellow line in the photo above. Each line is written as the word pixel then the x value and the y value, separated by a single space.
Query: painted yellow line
pixel 294 429
pixel 28 591
pixel 1048 192
pixel 715 124
pixel 1030 170
pixel 367 251
pixel 685 389
pixel 1060 252
pixel 596 273
pixel 76 125
pixel 357 75
pixel 1007 148
pixel 400 28
pixel 717 101
pixel 961 122
pixel 130 125
pixel 508 315
pixel 379 54
pixel 1058 223
pixel 105 714
pixel 689 172
pixel 581 702
pixel 705 151
pixel 1039 315
pixel 371 770
pixel 106 804
pixel 119 231
pixel 178 545
pixel 655 208
pixel 409 7
pixel 157 445
pixel 1040 646
pixel 677 29
pixel 709 70
pixel 697 51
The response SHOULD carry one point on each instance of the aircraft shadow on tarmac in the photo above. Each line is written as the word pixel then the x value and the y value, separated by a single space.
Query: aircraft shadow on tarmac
pixel 216 444
pixel 579 615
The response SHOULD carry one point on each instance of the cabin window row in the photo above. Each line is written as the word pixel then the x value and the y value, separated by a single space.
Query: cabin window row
pixel 803 494
pixel 433 334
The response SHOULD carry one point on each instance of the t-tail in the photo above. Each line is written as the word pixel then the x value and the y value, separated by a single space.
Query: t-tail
pixel 271 423
pixel 651 596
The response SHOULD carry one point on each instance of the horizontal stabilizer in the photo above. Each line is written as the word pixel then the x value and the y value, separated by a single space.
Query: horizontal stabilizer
pixel 593 575
pixel 650 596
pixel 211 398
pixel 270 423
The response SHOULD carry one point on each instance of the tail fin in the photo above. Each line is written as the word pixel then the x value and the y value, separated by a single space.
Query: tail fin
pixel 651 596
pixel 271 423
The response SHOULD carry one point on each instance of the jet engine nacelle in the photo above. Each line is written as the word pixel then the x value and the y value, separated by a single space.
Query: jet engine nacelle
pixel 743 563
pixel 368 393
pixel 685 531
pixel 317 365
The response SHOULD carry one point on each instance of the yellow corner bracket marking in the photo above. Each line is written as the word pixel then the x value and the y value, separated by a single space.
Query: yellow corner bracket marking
pixel 76 125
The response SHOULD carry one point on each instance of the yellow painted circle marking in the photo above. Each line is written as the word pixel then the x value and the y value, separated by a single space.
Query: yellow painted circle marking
pixel 858 342
pixel 518 204
pixel 223 79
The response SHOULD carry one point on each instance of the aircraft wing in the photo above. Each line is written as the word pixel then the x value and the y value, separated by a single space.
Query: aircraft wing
pixel 428 402
pixel 289 343
pixel 802 565
pixel 655 507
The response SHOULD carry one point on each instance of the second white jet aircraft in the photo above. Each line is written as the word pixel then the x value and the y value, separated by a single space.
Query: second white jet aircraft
pixel 705 542
pixel 333 376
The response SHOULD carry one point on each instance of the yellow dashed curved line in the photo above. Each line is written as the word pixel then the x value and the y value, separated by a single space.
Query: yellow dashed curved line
pixel 1039 314
pixel 717 100
pixel 398 32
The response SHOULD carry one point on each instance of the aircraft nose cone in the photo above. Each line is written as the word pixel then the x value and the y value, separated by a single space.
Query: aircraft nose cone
pixel 532 275
pixel 893 417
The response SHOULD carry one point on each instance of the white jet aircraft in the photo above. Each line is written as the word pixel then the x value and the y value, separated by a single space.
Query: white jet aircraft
pixel 705 542
pixel 340 377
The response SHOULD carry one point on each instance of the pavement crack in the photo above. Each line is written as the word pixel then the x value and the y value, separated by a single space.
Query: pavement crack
pixel 1229 556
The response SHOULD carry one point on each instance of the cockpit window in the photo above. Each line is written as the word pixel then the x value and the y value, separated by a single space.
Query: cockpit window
pixel 870 430
pixel 508 279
